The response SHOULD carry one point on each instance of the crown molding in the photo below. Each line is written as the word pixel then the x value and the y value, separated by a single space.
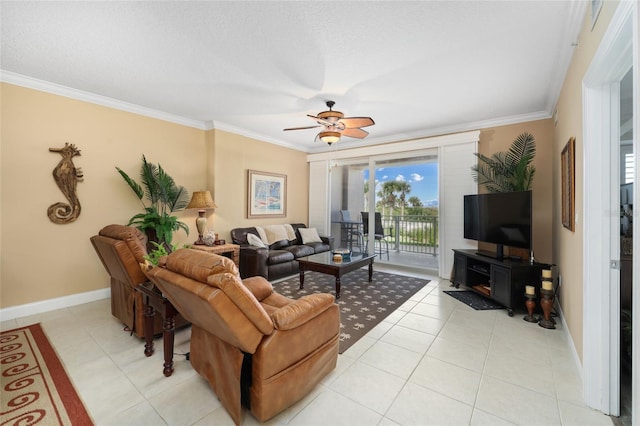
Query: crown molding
pixel 32 83
pixel 570 40
pixel 81 95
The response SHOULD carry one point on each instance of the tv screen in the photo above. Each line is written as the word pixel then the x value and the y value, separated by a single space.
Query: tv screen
pixel 502 218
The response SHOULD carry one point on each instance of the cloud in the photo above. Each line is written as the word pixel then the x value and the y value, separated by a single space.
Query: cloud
pixel 400 178
pixel 384 177
pixel 416 177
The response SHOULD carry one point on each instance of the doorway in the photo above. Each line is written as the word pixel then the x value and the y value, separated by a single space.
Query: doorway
pixel 602 249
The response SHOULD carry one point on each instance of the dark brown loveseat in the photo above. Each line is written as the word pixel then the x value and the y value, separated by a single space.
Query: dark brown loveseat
pixel 279 258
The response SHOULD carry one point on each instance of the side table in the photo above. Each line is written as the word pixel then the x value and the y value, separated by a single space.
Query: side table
pixel 232 251
pixel 155 301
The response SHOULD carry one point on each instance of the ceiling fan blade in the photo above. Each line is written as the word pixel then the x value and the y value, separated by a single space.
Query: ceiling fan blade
pixel 301 128
pixel 321 120
pixel 355 133
pixel 351 122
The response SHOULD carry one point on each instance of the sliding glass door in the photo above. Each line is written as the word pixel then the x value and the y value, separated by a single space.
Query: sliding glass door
pixel 398 197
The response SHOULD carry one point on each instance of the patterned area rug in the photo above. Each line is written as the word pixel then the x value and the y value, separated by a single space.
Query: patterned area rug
pixel 35 385
pixel 363 304
pixel 474 300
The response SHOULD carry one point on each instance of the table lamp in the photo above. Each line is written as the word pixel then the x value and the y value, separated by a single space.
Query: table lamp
pixel 201 200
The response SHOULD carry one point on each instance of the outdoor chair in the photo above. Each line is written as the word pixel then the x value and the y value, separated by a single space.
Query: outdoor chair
pixel 350 230
pixel 379 236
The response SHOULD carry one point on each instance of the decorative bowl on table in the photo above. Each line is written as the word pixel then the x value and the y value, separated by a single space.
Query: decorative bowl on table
pixel 343 253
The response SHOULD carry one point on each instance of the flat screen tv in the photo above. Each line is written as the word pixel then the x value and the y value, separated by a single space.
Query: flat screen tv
pixel 502 218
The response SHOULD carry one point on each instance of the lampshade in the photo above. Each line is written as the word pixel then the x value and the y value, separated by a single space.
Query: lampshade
pixel 201 200
pixel 329 137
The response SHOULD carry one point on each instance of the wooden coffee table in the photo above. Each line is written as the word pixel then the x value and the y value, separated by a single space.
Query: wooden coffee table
pixel 323 263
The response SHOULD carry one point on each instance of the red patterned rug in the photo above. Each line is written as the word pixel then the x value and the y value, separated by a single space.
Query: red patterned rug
pixel 35 385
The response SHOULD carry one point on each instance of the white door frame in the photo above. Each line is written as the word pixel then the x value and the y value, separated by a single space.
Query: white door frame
pixel 601 319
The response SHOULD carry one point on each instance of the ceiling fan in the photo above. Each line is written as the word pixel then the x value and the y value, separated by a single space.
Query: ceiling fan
pixel 336 125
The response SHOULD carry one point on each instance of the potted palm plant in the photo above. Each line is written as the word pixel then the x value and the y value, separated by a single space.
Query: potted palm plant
pixel 508 171
pixel 163 197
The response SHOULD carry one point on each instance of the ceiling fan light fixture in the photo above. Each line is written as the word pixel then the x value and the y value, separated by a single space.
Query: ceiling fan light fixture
pixel 329 137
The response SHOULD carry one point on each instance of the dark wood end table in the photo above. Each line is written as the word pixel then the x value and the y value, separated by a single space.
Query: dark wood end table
pixel 323 263
pixel 156 302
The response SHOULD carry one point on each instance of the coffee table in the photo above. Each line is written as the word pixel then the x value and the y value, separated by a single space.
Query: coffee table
pixel 323 263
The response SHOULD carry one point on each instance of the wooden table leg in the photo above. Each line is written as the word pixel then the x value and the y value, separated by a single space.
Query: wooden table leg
pixel 169 327
pixel 149 315
pixel 371 271
pixel 338 287
pixel 301 278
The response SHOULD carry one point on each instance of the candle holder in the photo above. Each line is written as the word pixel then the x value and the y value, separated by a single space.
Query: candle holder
pixel 546 303
pixel 530 303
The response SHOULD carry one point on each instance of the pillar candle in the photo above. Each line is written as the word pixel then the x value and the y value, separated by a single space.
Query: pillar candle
pixel 546 273
pixel 530 290
pixel 547 285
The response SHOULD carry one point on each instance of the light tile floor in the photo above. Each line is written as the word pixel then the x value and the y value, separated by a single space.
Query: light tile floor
pixel 434 361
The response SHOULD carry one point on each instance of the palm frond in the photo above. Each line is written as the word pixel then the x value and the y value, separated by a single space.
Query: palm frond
pixel 523 149
pixel 507 171
pixel 149 177
pixel 137 189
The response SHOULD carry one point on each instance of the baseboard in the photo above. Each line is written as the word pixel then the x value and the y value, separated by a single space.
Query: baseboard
pixel 20 311
pixel 565 329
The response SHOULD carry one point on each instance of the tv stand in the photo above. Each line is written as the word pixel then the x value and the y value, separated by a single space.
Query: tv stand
pixel 501 280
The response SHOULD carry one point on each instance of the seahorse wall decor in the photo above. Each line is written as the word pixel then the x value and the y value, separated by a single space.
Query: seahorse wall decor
pixel 67 177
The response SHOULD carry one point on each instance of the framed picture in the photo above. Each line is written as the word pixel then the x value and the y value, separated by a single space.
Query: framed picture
pixel 266 194
pixel 567 163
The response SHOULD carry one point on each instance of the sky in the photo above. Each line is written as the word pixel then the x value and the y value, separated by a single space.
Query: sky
pixel 423 179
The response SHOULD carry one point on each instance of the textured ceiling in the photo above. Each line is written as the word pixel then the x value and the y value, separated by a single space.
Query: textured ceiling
pixel 255 68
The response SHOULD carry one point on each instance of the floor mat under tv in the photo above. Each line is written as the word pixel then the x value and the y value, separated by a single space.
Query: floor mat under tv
pixel 473 299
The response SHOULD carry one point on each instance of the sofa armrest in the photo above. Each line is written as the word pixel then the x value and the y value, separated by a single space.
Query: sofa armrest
pixel 301 310
pixel 253 261
pixel 328 240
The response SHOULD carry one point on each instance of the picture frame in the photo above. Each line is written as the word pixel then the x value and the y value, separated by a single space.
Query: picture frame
pixel 567 164
pixel 266 194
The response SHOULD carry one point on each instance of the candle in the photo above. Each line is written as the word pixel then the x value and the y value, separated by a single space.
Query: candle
pixel 530 290
pixel 546 273
pixel 547 285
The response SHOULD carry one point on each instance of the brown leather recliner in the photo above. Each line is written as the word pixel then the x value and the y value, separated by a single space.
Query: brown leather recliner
pixel 256 347
pixel 121 250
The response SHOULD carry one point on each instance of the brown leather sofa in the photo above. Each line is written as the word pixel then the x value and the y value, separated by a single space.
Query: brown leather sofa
pixel 280 258
pixel 256 347
pixel 121 250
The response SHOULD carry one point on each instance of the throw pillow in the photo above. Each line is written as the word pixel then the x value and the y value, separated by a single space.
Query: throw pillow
pixel 255 241
pixel 309 235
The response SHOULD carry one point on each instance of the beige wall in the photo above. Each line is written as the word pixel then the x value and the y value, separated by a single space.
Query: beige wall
pixel 568 245
pixel 41 260
pixel 500 139
pixel 234 155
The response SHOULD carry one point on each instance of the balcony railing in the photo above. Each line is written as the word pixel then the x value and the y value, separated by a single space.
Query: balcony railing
pixel 413 234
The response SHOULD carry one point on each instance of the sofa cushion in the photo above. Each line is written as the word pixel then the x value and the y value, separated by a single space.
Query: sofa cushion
pixel 279 245
pixel 279 256
pixel 301 251
pixel 319 247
